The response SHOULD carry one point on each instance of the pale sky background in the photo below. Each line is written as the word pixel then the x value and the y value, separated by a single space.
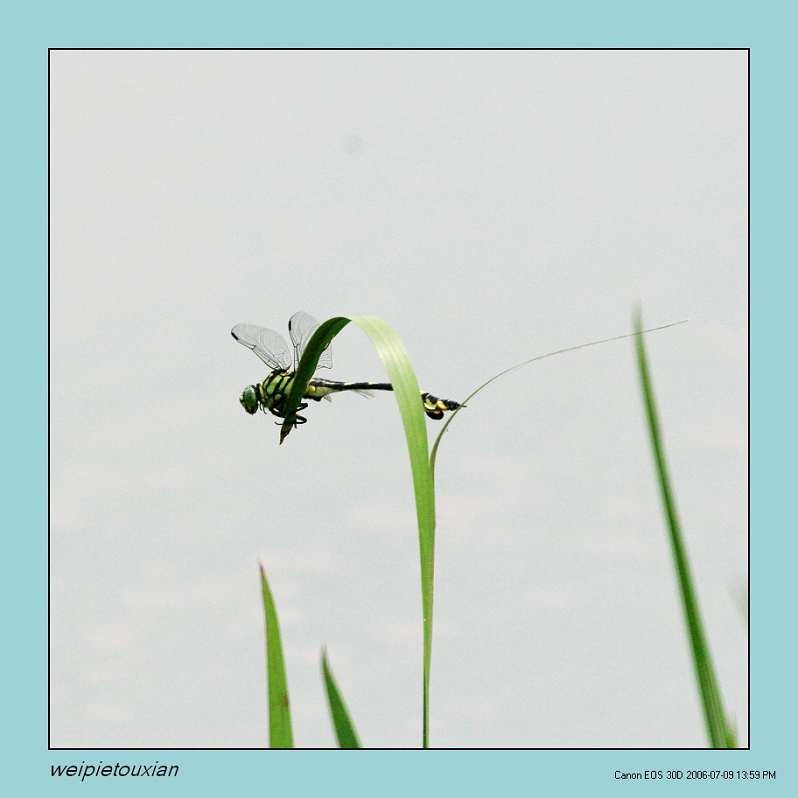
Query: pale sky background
pixel 491 207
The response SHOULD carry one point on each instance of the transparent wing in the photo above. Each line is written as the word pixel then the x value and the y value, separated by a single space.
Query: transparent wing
pixel 268 345
pixel 301 327
pixel 361 391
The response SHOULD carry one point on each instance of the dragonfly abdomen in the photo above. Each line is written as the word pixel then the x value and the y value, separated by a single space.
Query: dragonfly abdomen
pixel 318 388
pixel 433 406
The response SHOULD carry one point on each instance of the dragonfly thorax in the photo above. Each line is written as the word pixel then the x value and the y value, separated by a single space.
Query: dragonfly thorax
pixel 270 395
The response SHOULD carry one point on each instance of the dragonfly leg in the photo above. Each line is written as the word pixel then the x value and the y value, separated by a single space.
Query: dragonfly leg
pixel 297 421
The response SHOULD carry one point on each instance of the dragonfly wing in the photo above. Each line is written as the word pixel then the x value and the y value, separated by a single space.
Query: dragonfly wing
pixel 268 345
pixel 361 391
pixel 301 327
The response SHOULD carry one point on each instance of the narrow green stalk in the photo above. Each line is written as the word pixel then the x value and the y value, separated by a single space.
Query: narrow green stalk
pixel 280 732
pixel 719 731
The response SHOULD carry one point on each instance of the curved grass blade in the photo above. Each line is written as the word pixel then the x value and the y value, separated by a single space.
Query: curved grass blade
pixel 449 420
pixel 719 730
pixel 405 388
pixel 307 366
pixel 342 721
pixel 280 732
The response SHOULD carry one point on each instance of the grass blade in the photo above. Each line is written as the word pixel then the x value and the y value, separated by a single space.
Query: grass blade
pixel 485 384
pixel 719 731
pixel 280 732
pixel 405 388
pixel 306 366
pixel 342 721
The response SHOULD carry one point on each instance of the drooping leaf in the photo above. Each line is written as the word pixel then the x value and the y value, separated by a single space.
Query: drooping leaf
pixel 405 388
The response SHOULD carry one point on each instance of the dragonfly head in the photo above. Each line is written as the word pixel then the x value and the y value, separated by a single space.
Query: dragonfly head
pixel 249 399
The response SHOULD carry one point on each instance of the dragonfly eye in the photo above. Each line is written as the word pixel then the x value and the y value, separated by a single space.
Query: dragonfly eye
pixel 249 400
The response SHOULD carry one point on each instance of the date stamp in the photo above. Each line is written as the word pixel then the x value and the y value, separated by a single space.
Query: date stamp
pixel 697 775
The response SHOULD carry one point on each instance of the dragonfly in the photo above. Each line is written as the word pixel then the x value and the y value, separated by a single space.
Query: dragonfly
pixel 271 395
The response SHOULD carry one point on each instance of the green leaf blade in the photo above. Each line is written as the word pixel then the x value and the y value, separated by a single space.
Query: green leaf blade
pixel 406 390
pixel 307 366
pixel 280 731
pixel 405 385
pixel 345 731
pixel 719 730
